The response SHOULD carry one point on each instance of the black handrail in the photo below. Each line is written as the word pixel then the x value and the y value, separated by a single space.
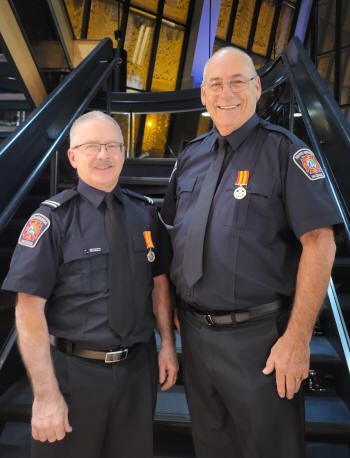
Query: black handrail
pixel 327 127
pixel 25 153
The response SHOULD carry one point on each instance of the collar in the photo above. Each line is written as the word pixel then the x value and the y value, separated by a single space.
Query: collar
pixel 236 138
pixel 96 196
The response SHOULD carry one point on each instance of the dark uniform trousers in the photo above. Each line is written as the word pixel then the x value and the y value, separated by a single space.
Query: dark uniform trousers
pixel 243 412
pixel 110 406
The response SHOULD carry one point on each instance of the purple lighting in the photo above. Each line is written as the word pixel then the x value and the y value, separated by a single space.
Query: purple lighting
pixel 303 19
pixel 205 38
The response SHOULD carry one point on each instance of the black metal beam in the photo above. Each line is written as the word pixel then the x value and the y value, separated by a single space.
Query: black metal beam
pixel 253 25
pixel 85 19
pixel 272 40
pixel 231 22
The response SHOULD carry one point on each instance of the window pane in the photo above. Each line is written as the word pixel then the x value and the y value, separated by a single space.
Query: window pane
pixel 103 19
pixel 325 67
pixel 168 57
pixel 263 29
pixel 326 25
pixel 345 29
pixel 150 5
pixel 138 43
pixel 155 135
pixel 283 29
pixel 259 61
pixel 177 10
pixel 243 23
pixel 75 13
pixel 345 77
pixel 224 18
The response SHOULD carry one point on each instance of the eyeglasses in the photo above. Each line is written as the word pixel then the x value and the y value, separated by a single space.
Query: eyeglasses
pixel 92 149
pixel 236 85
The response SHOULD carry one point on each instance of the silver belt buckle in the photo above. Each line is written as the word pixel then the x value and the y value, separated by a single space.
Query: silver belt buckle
pixel 116 356
pixel 209 319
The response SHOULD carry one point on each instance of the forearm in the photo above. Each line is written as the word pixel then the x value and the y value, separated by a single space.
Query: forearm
pixel 162 309
pixel 312 281
pixel 34 345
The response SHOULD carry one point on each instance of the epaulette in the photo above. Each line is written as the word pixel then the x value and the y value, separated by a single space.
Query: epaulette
pixel 59 199
pixel 136 195
pixel 282 130
pixel 197 139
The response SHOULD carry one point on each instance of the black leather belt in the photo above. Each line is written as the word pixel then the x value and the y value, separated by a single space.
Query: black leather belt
pixel 237 317
pixel 70 348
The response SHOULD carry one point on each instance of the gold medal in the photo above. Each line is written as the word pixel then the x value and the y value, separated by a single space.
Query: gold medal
pixel 147 236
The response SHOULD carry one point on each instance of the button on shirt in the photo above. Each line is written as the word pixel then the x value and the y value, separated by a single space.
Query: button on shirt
pixel 252 248
pixel 69 267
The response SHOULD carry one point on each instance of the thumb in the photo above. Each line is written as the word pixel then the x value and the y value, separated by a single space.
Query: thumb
pixel 269 366
pixel 67 426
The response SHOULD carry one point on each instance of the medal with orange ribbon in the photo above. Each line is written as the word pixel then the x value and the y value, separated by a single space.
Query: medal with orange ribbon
pixel 241 182
pixel 147 236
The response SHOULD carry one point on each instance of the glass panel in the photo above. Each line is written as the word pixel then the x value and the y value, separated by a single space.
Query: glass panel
pixel 168 57
pixel 263 28
pixel 325 67
pixel 138 43
pixel 150 5
pixel 177 10
pixel 155 135
pixel 204 124
pixel 123 121
pixel 243 22
pixel 326 25
pixel 224 18
pixel 75 13
pixel 103 19
pixel 283 29
pixel 345 77
pixel 345 28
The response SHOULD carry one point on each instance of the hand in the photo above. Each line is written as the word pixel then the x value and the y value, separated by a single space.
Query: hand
pixel 290 359
pixel 176 320
pixel 168 366
pixel 50 419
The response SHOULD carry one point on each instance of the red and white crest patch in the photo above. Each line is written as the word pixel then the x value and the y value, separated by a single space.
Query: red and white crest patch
pixel 34 229
pixel 307 163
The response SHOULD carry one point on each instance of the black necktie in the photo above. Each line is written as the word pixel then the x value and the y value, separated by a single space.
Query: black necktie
pixel 193 259
pixel 121 307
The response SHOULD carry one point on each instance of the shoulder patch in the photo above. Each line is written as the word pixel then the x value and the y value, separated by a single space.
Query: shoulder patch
pixel 308 164
pixel 34 229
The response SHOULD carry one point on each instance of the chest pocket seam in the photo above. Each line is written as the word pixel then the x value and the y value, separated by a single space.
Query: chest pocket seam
pixel 75 251
pixel 262 188
pixel 186 185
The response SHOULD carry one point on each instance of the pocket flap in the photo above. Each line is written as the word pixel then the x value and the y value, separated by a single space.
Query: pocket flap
pixel 262 186
pixel 83 249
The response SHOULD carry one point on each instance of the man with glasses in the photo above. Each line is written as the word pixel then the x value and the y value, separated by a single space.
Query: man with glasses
pixel 86 268
pixel 250 220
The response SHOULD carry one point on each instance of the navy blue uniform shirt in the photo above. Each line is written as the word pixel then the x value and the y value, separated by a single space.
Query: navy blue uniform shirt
pixel 252 247
pixel 62 256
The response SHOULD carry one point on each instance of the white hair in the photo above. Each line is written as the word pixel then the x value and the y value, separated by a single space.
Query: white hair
pixel 225 50
pixel 91 116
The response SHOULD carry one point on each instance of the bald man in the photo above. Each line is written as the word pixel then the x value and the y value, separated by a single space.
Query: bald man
pixel 85 269
pixel 250 221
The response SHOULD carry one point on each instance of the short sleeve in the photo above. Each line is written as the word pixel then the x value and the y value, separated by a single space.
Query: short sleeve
pixel 308 200
pixel 161 264
pixel 36 257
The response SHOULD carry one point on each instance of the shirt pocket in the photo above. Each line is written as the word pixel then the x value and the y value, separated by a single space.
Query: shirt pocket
pixel 141 266
pixel 185 188
pixel 249 212
pixel 85 264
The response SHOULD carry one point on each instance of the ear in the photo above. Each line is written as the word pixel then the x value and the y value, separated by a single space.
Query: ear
pixel 203 95
pixel 72 158
pixel 258 88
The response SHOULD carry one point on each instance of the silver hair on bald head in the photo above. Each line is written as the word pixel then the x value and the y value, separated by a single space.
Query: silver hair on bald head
pixel 91 116
pixel 226 49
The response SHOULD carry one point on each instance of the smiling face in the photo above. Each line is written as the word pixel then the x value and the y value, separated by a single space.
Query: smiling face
pixel 229 110
pixel 102 170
